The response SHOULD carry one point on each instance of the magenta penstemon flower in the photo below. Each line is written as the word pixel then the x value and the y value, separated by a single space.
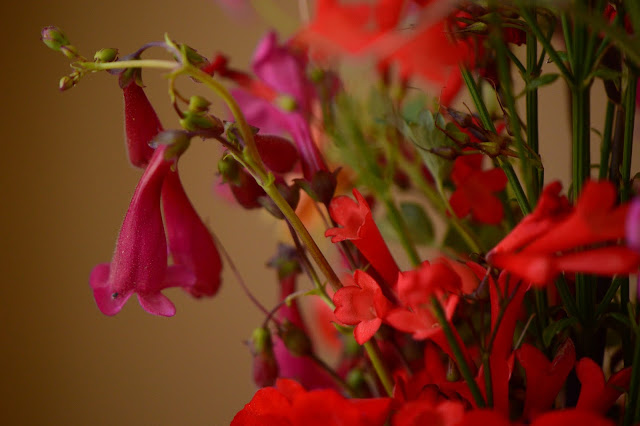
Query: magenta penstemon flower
pixel 139 263
pixel 190 242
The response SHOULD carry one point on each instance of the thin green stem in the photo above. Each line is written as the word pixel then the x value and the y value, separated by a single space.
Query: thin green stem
pixel 551 51
pixel 136 63
pixel 629 119
pixel 378 364
pixel 487 123
pixel 400 226
pixel 605 147
pixel 608 296
pixel 632 411
pixel 465 371
pixel 532 114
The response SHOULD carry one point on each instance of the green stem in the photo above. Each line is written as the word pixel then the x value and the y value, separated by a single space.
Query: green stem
pixel 608 296
pixel 631 414
pixel 551 51
pixel 465 371
pixel 605 147
pixel 532 115
pixel 381 369
pixel 629 118
pixel 487 123
pixel 400 226
pixel 136 63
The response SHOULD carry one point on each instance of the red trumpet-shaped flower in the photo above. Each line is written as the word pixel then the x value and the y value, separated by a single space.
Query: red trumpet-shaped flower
pixel 475 190
pixel 544 378
pixel 290 404
pixel 358 227
pixel 595 394
pixel 190 242
pixel 555 238
pixel 139 264
pixel 362 305
pixel 415 289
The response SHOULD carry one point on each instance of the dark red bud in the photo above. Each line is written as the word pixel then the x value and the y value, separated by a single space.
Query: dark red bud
pixel 277 153
pixel 247 191
pixel 141 124
pixel 295 339
pixel 265 370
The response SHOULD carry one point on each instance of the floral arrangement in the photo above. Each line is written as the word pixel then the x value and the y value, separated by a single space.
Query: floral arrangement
pixel 521 312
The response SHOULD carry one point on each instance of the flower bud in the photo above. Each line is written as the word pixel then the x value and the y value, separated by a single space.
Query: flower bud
pixel 106 55
pixel 277 153
pixel 195 121
pixel 66 83
pixel 54 38
pixel 198 104
pixel 229 169
pixel 295 339
pixel 69 51
pixel 265 367
pixel 177 140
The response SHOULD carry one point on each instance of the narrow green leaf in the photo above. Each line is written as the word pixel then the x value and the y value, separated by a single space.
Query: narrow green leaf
pixel 555 328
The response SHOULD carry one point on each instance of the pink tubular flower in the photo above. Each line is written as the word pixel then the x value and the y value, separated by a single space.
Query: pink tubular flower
pixel 141 124
pixel 190 242
pixel 362 305
pixel 279 100
pixel 139 264
pixel 358 227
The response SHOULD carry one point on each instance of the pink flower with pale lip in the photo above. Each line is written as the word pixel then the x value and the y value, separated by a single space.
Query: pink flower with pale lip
pixel 139 263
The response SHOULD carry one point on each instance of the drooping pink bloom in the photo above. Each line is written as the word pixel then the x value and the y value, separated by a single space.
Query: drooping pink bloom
pixel 139 263
pixel 279 100
pixel 544 378
pixel 190 242
pixel 357 226
pixel 141 124
pixel 596 395
pixel 362 305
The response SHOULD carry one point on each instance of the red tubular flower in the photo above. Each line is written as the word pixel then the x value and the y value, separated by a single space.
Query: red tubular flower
pixel 596 395
pixel 571 417
pixel 190 242
pixel 415 289
pixel 550 240
pixel 139 263
pixel 291 405
pixel 359 228
pixel 544 378
pixel 362 305
pixel 141 124
pixel 475 188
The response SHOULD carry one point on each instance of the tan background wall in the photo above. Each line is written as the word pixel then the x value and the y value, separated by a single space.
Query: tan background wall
pixel 65 187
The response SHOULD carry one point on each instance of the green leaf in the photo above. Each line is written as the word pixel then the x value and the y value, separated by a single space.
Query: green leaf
pixel 427 136
pixel 555 328
pixel 605 73
pixel 543 80
pixel 418 222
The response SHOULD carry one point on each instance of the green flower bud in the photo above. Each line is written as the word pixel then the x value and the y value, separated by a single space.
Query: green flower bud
pixel 177 140
pixel 261 340
pixel 69 51
pixel 54 38
pixel 106 55
pixel 295 339
pixel 198 104
pixel 229 169
pixel 66 83
pixel 194 121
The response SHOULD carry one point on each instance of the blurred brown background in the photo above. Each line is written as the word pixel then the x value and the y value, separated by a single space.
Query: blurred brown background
pixel 65 188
